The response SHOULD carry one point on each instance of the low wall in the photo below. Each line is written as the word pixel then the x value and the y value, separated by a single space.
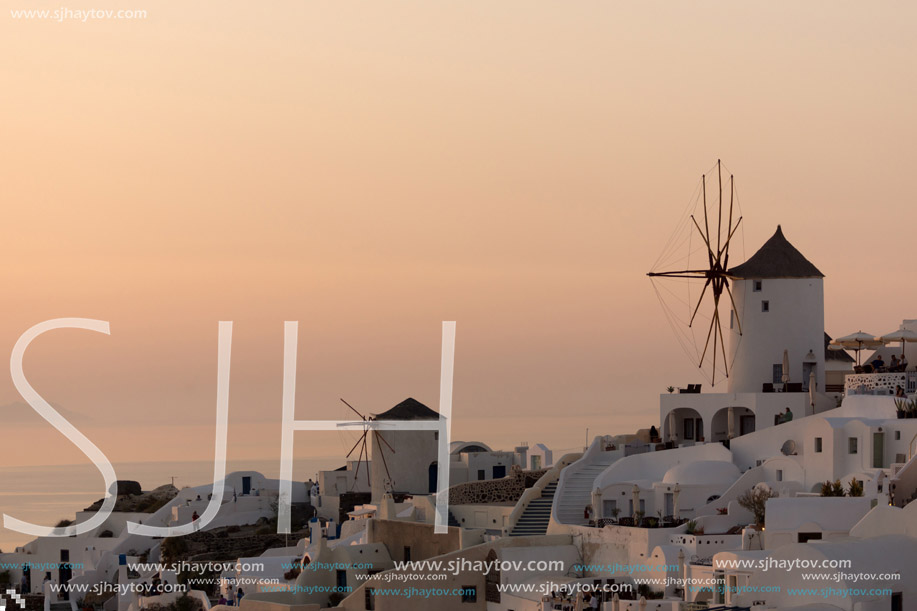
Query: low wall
pixel 504 490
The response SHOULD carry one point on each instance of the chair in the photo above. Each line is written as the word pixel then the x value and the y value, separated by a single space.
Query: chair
pixel 794 387
pixel 767 387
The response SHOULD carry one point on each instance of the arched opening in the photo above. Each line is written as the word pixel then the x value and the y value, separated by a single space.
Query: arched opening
pixel 492 579
pixel 725 426
pixel 433 473
pixel 683 424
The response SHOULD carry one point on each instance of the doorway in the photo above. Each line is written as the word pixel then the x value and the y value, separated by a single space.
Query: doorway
pixel 878 450
pixel 432 473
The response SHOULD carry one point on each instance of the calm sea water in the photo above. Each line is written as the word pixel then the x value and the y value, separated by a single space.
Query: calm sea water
pixel 45 495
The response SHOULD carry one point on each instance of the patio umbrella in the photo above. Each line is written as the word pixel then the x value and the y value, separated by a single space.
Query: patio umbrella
pixel 675 494
pixel 812 390
pixel 786 368
pixel 901 335
pixel 857 341
pixel 636 493
pixel 597 505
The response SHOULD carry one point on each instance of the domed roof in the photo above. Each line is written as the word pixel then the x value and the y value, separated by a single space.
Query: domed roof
pixel 702 473
pixel 776 259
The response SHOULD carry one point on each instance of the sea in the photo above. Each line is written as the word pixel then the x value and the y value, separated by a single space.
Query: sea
pixel 47 494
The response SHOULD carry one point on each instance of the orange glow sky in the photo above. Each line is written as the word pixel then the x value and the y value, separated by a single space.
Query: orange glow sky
pixel 372 169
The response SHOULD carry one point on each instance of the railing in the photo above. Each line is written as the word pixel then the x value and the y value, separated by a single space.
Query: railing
pixel 880 383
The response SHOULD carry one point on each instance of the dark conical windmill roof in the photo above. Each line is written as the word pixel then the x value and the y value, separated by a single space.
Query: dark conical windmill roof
pixel 776 259
pixel 409 409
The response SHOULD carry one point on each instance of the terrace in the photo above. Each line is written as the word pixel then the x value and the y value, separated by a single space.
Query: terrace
pixel 883 383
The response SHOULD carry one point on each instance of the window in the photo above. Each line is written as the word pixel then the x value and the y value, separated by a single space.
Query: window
pixel 852 445
pixel 897 601
pixel 897 435
pixel 818 445
pixel 469 594
pixel 370 599
pixel 806 537
pixel 765 306
pixel 757 286
pixel 689 428
pixel 407 553
pixel 609 508
pixel 779 475
pixel 480 474
pixel 435 435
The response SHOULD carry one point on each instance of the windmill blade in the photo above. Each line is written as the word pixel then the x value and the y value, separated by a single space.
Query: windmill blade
pixel 707 344
pixel 366 449
pixel 734 308
pixel 380 437
pixel 355 446
pixel 356 475
pixel 706 241
pixel 719 216
pixel 699 301
pixel 729 239
pixel 678 273
pixel 713 325
pixel 714 274
pixel 706 222
pixel 719 327
pixel 732 192
pixel 388 475
pixel 362 417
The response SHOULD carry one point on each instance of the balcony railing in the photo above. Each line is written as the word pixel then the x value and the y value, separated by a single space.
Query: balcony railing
pixel 880 383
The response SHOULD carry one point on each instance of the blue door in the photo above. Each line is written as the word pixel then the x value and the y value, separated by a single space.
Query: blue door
pixel 246 485
pixel 499 471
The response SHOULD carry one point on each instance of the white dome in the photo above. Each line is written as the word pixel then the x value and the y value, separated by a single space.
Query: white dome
pixel 702 473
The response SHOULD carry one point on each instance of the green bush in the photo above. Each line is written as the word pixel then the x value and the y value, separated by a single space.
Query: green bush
pixel 855 488
pixel 834 488
pixel 755 500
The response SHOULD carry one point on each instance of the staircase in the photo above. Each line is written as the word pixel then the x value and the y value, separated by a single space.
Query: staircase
pixel 453 521
pixel 534 520
pixel 577 486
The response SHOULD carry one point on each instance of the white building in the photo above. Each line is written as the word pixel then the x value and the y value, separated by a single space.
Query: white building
pixel 779 314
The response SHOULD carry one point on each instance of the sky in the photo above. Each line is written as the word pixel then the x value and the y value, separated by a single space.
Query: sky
pixel 373 169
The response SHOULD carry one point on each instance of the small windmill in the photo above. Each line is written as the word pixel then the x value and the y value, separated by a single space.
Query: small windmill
pixel 364 449
pixel 715 270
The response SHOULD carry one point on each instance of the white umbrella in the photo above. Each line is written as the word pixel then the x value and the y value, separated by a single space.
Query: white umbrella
pixel 812 390
pixel 786 367
pixel 597 512
pixel 675 494
pixel 901 335
pixel 857 341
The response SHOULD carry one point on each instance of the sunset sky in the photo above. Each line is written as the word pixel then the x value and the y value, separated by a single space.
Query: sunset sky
pixel 372 169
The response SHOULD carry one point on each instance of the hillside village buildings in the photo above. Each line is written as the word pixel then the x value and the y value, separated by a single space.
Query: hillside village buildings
pixel 658 520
